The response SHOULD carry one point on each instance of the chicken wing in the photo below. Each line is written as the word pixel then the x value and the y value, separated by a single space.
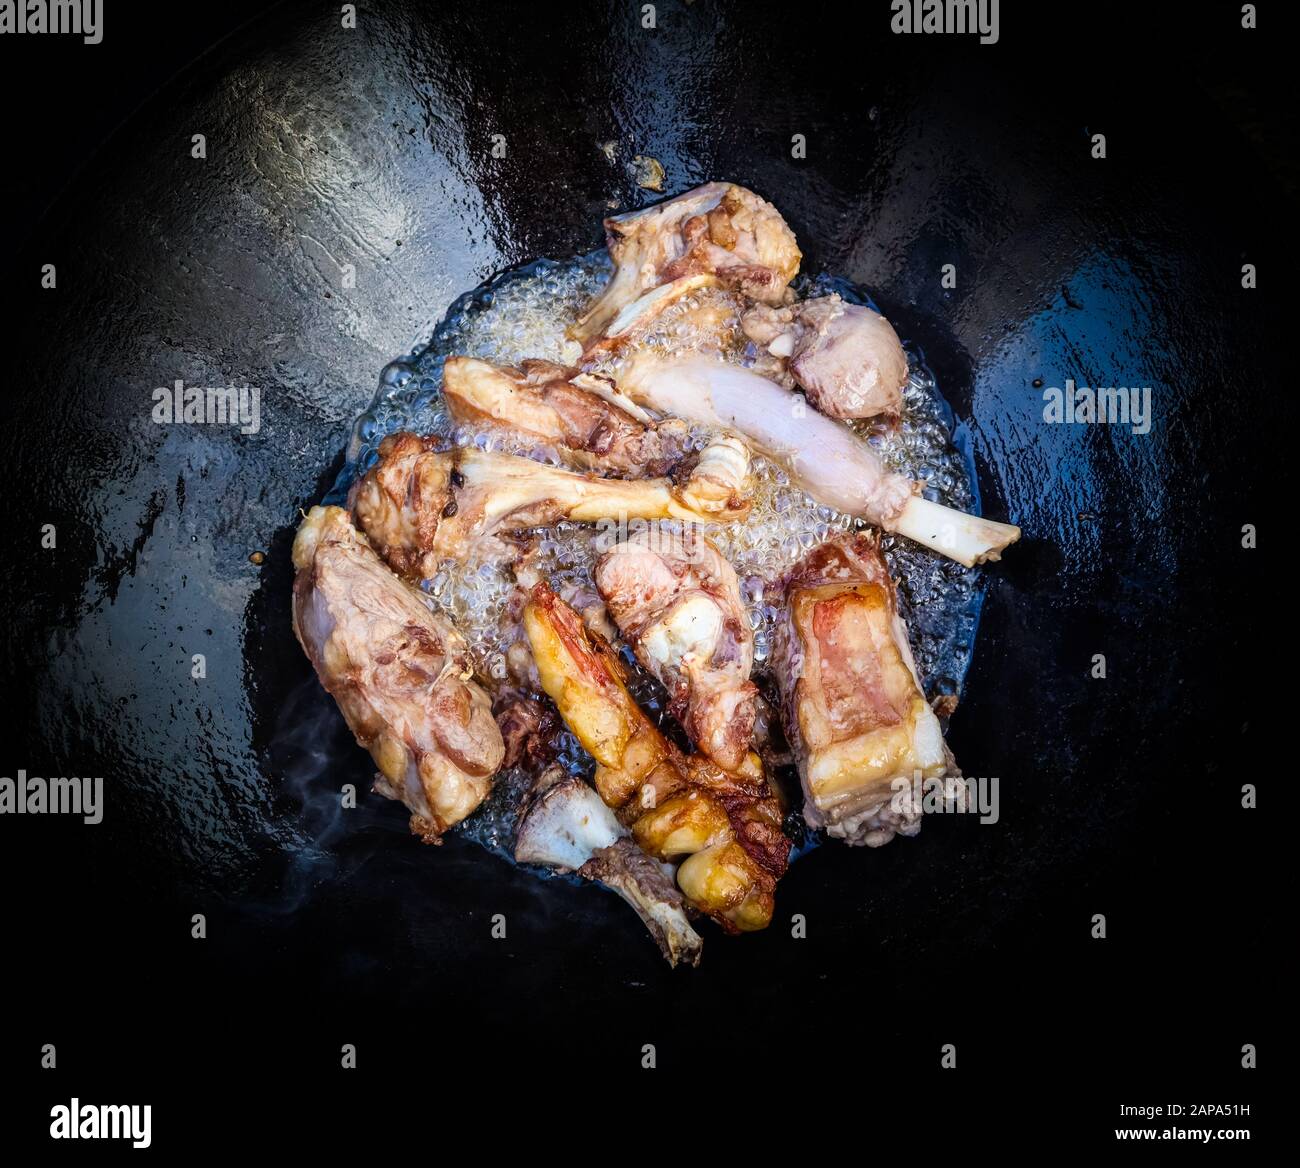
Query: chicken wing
pixel 726 825
pixel 575 417
pixel 847 358
pixel 854 711
pixel 676 601
pixel 399 671
pixel 420 505
pixel 719 230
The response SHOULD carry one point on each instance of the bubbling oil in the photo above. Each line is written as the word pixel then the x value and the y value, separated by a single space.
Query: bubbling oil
pixel 524 313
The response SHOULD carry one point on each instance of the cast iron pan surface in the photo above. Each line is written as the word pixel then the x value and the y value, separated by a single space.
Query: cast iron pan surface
pixel 372 147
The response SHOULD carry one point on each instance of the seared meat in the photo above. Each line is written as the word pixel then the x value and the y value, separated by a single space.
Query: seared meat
pixel 718 230
pixel 727 825
pixel 676 601
pixel 528 729
pixel 420 505
pixel 572 416
pixel 847 358
pixel 399 671
pixel 401 501
pixel 856 718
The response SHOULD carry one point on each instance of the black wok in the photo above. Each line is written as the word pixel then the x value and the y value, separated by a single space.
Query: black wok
pixel 373 148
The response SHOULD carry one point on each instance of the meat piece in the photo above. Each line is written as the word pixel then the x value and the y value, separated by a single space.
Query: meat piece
pixel 726 825
pixel 420 505
pixel 399 671
pixel 566 827
pixel 528 729
pixel 676 601
pixel 828 460
pixel 572 416
pixel 847 358
pixel 856 718
pixel 718 230
pixel 401 501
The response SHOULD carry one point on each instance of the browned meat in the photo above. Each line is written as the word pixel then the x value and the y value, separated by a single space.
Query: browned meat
pixel 528 729
pixel 720 230
pixel 769 736
pixel 399 671
pixel 726 825
pixel 548 407
pixel 420 505
pixel 676 601
pixel 854 711
pixel 401 501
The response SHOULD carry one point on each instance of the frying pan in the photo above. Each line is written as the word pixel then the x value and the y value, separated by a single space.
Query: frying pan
pixel 350 192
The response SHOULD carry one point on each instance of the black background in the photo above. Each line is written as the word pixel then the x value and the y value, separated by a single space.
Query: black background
pixel 1053 1030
